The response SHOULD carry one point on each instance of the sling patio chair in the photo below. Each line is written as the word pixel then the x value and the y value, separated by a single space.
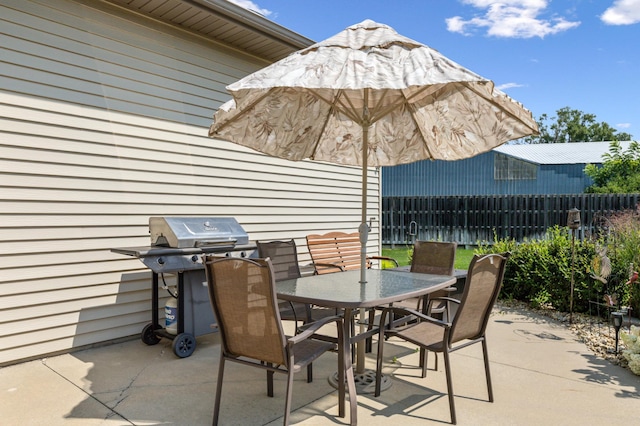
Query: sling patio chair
pixel 242 293
pixel 467 327
pixel 431 257
pixel 284 258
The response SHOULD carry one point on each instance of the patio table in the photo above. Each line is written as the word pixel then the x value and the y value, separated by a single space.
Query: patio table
pixel 343 291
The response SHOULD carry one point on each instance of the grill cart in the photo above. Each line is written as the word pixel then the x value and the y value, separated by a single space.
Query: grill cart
pixel 177 244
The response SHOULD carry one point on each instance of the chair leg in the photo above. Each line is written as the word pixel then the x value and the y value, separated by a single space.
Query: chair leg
pixel 287 404
pixel 486 369
pixel 369 341
pixel 447 368
pixel 353 333
pixel 270 382
pixel 379 357
pixel 216 406
pixel 309 373
pixel 424 354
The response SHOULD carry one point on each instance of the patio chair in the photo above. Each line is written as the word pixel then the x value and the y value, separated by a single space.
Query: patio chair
pixel 338 252
pixel 433 257
pixel 243 297
pixel 284 258
pixel 467 327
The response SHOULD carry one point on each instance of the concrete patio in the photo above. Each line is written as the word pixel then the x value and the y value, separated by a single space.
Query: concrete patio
pixel 541 375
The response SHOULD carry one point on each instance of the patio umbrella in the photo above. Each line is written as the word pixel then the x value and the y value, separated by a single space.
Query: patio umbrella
pixel 369 97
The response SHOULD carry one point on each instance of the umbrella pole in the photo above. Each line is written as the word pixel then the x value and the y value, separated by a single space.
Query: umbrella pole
pixel 364 234
pixel 364 228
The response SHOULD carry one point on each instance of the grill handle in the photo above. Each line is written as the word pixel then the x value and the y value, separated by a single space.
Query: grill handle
pixel 209 243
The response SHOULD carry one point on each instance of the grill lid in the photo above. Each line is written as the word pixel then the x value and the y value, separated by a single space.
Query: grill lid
pixel 184 232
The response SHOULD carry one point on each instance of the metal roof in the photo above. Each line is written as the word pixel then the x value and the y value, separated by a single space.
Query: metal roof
pixel 225 22
pixel 559 153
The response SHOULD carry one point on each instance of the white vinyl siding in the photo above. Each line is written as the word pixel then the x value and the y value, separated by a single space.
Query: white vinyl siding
pixel 103 123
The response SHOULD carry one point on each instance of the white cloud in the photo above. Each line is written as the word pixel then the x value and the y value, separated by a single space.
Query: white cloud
pixel 623 125
pixel 507 86
pixel 622 12
pixel 249 5
pixel 511 19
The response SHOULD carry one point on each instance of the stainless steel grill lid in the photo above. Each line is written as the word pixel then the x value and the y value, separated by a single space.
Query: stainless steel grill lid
pixel 186 232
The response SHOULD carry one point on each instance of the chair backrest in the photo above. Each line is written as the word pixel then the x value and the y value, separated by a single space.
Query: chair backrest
pixel 434 257
pixel 334 248
pixel 284 258
pixel 243 298
pixel 484 280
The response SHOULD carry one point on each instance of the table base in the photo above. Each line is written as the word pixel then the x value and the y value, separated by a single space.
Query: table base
pixel 365 382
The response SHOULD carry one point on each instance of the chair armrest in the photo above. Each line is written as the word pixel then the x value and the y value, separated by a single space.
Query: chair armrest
pixel 330 265
pixel 411 312
pixel 390 259
pixel 307 330
pixel 446 299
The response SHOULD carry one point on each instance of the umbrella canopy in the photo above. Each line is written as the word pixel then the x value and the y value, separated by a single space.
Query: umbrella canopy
pixel 369 97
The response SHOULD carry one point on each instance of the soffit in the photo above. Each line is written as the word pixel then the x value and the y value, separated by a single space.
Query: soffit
pixel 226 23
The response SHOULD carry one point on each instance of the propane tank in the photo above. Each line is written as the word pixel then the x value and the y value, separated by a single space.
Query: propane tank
pixel 171 315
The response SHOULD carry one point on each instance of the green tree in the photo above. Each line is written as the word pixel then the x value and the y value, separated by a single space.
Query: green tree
pixel 619 172
pixel 571 125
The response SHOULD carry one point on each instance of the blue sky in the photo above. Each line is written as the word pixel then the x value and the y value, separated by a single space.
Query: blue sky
pixel 546 54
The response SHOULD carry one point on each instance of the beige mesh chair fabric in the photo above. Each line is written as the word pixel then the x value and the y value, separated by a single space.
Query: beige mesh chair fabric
pixel 243 297
pixel 431 257
pixel 284 258
pixel 434 257
pixel 468 326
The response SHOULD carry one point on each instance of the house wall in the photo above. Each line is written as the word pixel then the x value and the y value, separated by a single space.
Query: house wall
pixel 103 123
pixel 474 176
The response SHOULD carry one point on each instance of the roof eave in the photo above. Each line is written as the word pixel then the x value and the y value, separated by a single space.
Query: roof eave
pixel 253 21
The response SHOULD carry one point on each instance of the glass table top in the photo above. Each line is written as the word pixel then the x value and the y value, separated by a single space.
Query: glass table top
pixel 344 290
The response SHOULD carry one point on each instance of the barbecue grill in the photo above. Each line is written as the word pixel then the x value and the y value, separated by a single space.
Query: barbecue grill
pixel 177 246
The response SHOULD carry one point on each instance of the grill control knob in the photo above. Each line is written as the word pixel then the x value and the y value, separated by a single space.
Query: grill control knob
pixel 161 260
pixel 194 258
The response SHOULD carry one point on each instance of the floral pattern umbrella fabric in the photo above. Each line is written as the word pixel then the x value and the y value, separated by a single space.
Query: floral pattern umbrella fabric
pixel 369 97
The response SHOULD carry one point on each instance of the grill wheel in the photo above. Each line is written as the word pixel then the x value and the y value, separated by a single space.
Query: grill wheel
pixel 184 344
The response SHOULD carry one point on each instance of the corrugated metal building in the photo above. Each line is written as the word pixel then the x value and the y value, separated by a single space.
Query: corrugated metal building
pixel 506 170
pixel 104 113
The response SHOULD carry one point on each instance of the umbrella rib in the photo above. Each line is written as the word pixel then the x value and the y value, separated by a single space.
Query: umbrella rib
pixel 411 108
pixel 382 113
pixel 324 125
pixel 377 105
pixel 505 110
pixel 242 112
pixel 349 110
pixel 336 100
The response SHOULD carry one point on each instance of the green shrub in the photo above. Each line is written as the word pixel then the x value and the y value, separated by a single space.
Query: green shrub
pixel 539 271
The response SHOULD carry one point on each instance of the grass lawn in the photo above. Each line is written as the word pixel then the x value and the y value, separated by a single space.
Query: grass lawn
pixel 401 254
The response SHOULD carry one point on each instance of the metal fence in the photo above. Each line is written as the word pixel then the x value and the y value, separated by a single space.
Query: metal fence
pixel 470 219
